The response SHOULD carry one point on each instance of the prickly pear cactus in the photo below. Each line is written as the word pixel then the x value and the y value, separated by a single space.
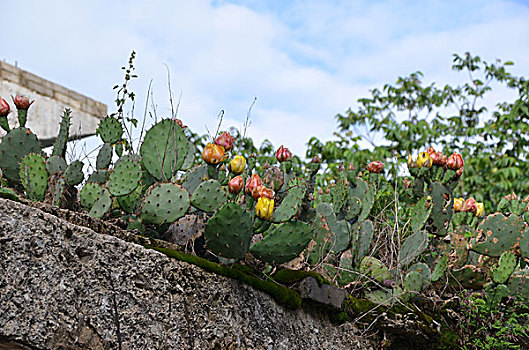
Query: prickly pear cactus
pixel 74 173
pixel 505 268
pixel 209 196
pixel 498 233
pixel 55 164
pixel 99 176
pixel 524 243
pixel 339 194
pixel 129 202
pixel 420 213
pixel 34 176
pixel 110 130
pixel 194 177
pixel 125 178
pixel 228 232
pixel 164 203
pixel 89 194
pixel 424 271
pixel 442 207
pixel 164 149
pixel 364 231
pixel 104 157
pixel 413 282
pixel 59 147
pixel 374 268
pixel 290 205
pixel 102 205
pixel 15 145
pixel 412 247
pixel 284 243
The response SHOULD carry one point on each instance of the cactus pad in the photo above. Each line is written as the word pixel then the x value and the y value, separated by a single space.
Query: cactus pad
pixel 34 176
pixel 56 164
pixel 164 203
pixel 125 178
pixel 339 194
pixel 194 177
pixel 104 157
pixel 424 271
pixel 364 236
pixel 102 205
pixel 412 247
pixel 164 149
pixel 15 145
pixel 74 173
pixel 440 268
pixel 229 231
pixel 524 243
pixel 290 205
pixel 420 212
pixel 89 194
pixel 374 268
pixel 209 196
pixel 442 207
pixel 99 176
pixel 59 147
pixel 322 239
pixel 498 233
pixel 129 202
pixel 413 282
pixel 352 208
pixel 284 243
pixel 110 130
pixel 505 268
pixel 190 156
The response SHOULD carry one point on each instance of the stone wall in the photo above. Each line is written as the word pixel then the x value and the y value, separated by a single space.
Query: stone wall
pixel 51 100
pixel 67 286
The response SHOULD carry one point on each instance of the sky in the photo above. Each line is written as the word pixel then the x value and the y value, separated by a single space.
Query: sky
pixel 304 61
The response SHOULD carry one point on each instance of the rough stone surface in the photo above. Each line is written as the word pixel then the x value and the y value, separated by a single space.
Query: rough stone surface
pixel 66 286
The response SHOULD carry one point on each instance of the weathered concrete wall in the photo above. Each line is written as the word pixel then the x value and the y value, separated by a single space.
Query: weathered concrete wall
pixel 51 100
pixel 66 286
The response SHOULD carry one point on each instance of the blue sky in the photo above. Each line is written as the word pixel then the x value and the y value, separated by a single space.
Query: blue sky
pixel 305 61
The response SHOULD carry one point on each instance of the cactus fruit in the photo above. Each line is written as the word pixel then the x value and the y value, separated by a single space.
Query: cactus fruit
pixel 374 268
pixel 15 145
pixel 412 247
pixel 209 196
pixel 74 173
pixel 164 149
pixel 164 203
pixel 89 194
pixel 102 205
pixel 506 265
pixel 284 243
pixel 55 164
pixel 291 204
pixel 110 130
pixel 34 176
pixel 104 157
pixel 228 232
pixel 59 147
pixel 498 233
pixel 125 178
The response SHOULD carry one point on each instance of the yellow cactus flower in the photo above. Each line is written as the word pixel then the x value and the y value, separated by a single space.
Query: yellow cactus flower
pixel 424 159
pixel 237 164
pixel 480 209
pixel 264 208
pixel 458 202
pixel 213 154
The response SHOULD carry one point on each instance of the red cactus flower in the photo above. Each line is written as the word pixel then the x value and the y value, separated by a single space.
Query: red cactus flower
pixel 375 167
pixel 22 102
pixel 4 107
pixel 225 140
pixel 455 161
pixel 252 183
pixel 236 184
pixel 283 154
pixel 262 191
pixel 180 123
pixel 469 205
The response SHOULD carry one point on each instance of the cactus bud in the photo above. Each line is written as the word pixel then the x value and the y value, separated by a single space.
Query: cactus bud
pixel 180 123
pixel 458 202
pixel 236 184
pixel 21 102
pixel 237 164
pixel 479 209
pixel 283 154
pixel 4 108
pixel 455 161
pixel 225 140
pixel 262 191
pixel 469 205
pixel 375 167
pixel 264 208
pixel 213 154
pixel 252 183
pixel 411 163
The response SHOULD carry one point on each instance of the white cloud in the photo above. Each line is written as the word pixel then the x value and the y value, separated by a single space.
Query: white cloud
pixel 305 61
